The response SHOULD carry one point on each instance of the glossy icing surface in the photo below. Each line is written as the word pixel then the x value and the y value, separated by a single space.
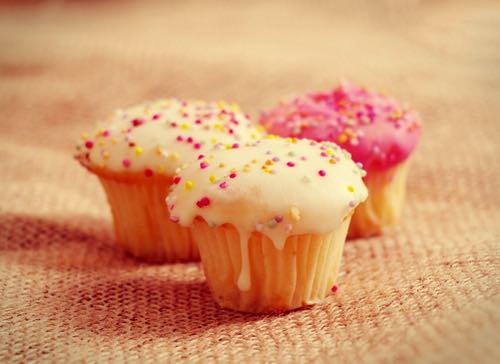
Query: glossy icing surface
pixel 377 130
pixel 157 137
pixel 279 187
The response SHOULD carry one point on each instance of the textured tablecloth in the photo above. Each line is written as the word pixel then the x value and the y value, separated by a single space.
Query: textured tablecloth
pixel 427 291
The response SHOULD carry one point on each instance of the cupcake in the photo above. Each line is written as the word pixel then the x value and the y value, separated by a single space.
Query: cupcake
pixel 270 220
pixel 135 154
pixel 378 131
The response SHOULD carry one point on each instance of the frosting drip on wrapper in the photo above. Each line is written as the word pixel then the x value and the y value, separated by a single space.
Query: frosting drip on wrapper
pixel 279 187
pixel 156 137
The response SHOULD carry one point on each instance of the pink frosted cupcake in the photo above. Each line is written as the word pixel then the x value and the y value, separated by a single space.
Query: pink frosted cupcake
pixel 378 131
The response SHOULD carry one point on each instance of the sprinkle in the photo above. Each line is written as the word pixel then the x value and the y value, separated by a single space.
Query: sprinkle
pixel 295 213
pixel 272 223
pixel 137 122
pixel 89 144
pixel 332 161
pixel 221 165
pixel 196 145
pixel 278 218
pixel 322 173
pixel 126 163
pixel 138 151
pixel 290 164
pixel 212 179
pixel 204 165
pixel 276 159
pixel 176 180
pixel 269 162
pixel 232 175
pixel 189 139
pixel 105 133
pixel 197 121
pixel 189 185
pixel 174 218
pixel 174 155
pixel 350 188
pixel 352 204
pixel 179 138
pixel 105 155
pixel 288 228
pixel 236 146
pixel 204 201
pixel 223 185
pixel 335 288
pixel 291 154
pixel 185 126
pixel 156 116
pixel 342 138
pixel 148 172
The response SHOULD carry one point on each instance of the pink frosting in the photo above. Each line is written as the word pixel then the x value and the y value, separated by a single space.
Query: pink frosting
pixel 377 130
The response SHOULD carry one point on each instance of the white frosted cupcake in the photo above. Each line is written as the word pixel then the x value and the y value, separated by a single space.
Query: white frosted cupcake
pixel 135 154
pixel 270 220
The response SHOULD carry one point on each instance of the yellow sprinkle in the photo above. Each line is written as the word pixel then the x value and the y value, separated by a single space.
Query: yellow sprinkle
pixel 114 140
pixel 221 104
pixel 342 138
pixel 105 155
pixel 246 168
pixel 185 126
pixel 229 146
pixel 101 143
pixel 138 151
pixel 189 185
pixel 254 161
pixel 333 161
pixel 212 179
pixel 174 155
pixel 269 162
pixel 221 165
pixel 350 188
pixel 235 107
pixel 218 126
pixel 159 150
pixel 295 213
pixel 329 151
pixel 160 169
pixel 253 136
pixel 214 140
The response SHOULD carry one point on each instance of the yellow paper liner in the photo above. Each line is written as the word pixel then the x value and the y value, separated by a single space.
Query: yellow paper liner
pixel 300 274
pixel 141 219
pixel 386 195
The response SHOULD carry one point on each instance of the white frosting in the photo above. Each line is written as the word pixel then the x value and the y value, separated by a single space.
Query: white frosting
pixel 159 136
pixel 280 187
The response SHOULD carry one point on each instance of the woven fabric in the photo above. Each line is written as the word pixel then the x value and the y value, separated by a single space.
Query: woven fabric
pixel 427 291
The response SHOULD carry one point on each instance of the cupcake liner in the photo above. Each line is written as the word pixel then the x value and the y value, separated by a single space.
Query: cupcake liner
pixel 300 274
pixel 386 195
pixel 141 219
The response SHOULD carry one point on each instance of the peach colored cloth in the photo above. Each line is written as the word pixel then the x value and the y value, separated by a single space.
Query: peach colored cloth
pixel 427 291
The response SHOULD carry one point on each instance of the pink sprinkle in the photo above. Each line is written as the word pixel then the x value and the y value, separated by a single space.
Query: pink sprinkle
pixel 189 140
pixel 276 159
pixel 177 179
pixel 290 164
pixel 235 145
pixel 126 163
pixel 196 145
pixel 156 116
pixel 203 165
pixel 137 122
pixel 323 154
pixel 174 218
pixel 197 121
pixel 89 144
pixel 322 173
pixel 335 288
pixel 105 133
pixel 223 185
pixel 201 156
pixel 232 175
pixel 204 201
pixel 180 138
pixel 148 172
pixel 303 158
pixel 278 218
pixel 173 124
pixel 231 131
